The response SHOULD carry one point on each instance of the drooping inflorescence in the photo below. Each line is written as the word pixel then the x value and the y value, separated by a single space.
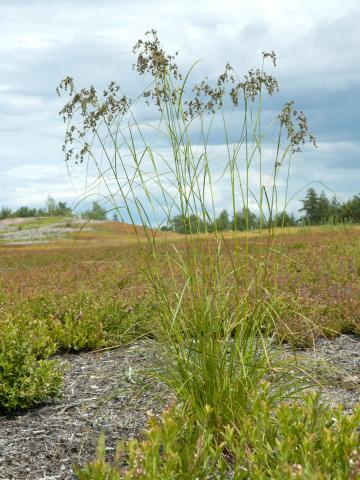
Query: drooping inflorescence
pixel 168 86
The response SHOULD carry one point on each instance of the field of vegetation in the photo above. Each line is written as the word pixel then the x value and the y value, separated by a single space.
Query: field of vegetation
pixel 88 293
pixel 78 290
pixel 216 303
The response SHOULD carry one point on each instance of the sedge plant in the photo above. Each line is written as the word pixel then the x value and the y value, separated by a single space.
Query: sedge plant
pixel 216 307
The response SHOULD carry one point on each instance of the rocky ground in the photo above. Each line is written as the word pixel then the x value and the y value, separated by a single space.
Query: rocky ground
pixel 111 391
pixel 335 366
pixel 104 392
pixel 40 230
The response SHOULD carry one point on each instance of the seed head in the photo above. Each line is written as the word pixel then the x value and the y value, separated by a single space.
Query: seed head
pixel 296 125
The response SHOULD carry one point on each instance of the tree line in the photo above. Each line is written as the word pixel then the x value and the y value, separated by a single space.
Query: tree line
pixel 242 220
pixel 317 209
pixel 53 209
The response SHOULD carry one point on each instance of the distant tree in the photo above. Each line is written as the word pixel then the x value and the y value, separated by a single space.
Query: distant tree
pixel 96 213
pixel 51 209
pixel 244 219
pixel 222 222
pixel 351 209
pixel 324 210
pixel 25 212
pixel 335 207
pixel 5 213
pixel 318 208
pixel 62 210
pixel 310 206
pixel 187 224
pixel 285 219
pixel 178 223
pixel 41 212
pixel 115 217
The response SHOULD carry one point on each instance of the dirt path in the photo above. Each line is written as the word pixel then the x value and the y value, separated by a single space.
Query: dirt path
pixel 106 391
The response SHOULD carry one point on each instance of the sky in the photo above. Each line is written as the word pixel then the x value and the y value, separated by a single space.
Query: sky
pixel 41 41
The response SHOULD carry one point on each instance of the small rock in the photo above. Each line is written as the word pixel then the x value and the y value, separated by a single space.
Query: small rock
pixel 352 379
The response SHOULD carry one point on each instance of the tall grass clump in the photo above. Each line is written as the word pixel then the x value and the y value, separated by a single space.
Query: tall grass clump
pixel 216 308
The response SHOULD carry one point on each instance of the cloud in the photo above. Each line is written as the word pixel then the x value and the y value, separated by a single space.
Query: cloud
pixel 42 41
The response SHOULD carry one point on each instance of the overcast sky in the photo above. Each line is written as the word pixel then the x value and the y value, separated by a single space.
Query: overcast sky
pixel 41 41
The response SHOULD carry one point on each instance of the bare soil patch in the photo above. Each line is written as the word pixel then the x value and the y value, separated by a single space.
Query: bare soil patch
pixel 335 364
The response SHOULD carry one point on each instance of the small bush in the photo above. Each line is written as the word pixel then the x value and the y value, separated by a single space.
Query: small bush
pixel 27 376
pixel 176 446
pixel 83 321
pixel 304 440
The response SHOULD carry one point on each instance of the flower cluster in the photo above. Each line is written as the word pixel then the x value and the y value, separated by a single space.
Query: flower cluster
pixel 94 110
pixel 168 88
pixel 207 97
pixel 296 125
pixel 151 58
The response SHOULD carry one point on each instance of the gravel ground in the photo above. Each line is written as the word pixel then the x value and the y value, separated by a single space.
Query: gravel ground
pixel 104 391
pixel 336 365
pixel 109 391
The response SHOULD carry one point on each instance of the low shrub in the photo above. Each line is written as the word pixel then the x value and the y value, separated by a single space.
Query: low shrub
pixel 176 446
pixel 302 439
pixel 85 321
pixel 27 376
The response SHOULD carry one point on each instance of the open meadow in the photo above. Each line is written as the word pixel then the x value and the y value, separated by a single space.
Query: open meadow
pixel 77 309
pixel 93 278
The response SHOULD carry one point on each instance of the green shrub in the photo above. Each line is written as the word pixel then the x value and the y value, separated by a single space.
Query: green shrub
pixel 27 376
pixel 304 440
pixel 82 321
pixel 176 446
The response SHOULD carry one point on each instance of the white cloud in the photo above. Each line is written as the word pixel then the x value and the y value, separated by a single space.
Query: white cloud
pixel 42 41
